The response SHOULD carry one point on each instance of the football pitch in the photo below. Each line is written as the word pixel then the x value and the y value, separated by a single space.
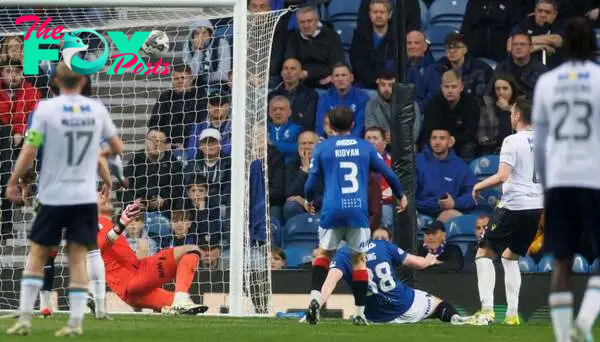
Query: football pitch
pixel 185 328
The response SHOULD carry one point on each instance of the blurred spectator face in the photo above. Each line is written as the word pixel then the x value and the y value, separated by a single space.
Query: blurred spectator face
pixel 415 45
pixel 440 141
pixel 291 71
pixel 197 194
pixel 279 111
pixel 451 88
pixel 210 147
pixel 327 127
pixel 385 87
pixel 104 204
pixel 503 90
pixel 544 13
pixel 277 260
pixel 201 37
pixel 520 47
pixel 156 143
pixel 180 224
pixel 456 52
pixel 257 6
pixel 376 139
pixel 342 79
pixel 307 22
pixel 182 81
pixel 307 141
pixel 480 227
pixel 381 234
pixel 14 48
pixel 379 15
pixel 219 112
pixel 210 257
pixel 134 228
pixel 432 240
pixel 12 76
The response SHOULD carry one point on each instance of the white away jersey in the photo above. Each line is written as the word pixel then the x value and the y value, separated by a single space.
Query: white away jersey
pixel 567 100
pixel 70 129
pixel 522 190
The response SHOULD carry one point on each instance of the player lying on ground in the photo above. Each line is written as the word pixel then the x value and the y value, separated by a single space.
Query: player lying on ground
pixel 388 299
pixel 138 282
pixel 343 163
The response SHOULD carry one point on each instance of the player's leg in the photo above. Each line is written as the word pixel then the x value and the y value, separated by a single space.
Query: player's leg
pixel 97 281
pixel 46 292
pixel 512 285
pixel 186 258
pixel 156 300
pixel 358 242
pixel 329 240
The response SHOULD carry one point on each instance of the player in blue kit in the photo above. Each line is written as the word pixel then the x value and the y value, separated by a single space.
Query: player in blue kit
pixel 388 299
pixel 343 163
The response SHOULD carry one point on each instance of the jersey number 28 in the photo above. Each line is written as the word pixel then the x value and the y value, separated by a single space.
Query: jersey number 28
pixel 386 283
pixel 350 176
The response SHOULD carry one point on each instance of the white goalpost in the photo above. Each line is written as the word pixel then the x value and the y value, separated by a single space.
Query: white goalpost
pixel 139 104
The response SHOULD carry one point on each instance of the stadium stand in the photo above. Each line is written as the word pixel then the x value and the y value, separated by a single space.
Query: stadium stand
pixel 527 264
pixel 435 36
pixel 447 13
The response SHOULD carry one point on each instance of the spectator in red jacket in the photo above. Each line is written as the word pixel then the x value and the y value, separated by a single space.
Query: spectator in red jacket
pixel 17 99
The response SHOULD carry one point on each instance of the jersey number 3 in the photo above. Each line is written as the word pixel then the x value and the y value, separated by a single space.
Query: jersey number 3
pixel 350 176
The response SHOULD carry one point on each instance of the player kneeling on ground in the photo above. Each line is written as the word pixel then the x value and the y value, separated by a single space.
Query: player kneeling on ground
pixel 138 281
pixel 388 299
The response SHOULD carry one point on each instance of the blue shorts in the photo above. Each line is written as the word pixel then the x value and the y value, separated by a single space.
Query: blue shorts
pixel 79 221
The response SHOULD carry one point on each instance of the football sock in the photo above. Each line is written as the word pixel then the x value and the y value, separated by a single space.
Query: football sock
pixel 49 273
pixel 320 267
pixel 512 283
pixel 30 286
pixel 96 276
pixel 590 305
pixel 186 270
pixel 360 280
pixel 486 281
pixel 445 311
pixel 45 300
pixel 561 311
pixel 77 304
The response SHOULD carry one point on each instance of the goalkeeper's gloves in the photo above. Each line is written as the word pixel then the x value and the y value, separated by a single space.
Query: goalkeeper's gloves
pixel 130 212
pixel 115 163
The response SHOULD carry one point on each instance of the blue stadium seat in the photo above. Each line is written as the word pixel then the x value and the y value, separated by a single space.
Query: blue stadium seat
pixel 301 228
pixel 492 63
pixel 580 264
pixel 485 166
pixel 463 247
pixel 422 221
pixel 435 36
pixel 595 266
pixel 276 232
pixel 297 254
pixel 345 29
pixel 461 229
pixel 447 13
pixel 343 10
pixel 545 264
pixel 424 14
pixel 526 264
pixel 156 224
pixel 487 200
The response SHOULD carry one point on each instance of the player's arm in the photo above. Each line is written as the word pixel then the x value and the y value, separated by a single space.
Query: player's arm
pixel 400 257
pixel 104 172
pixel 314 175
pixel 539 117
pixel 504 172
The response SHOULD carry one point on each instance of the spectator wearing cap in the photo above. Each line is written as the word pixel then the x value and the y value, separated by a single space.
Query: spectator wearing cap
pixel 434 242
pixel 455 111
pixel 219 118
pixel 481 226
pixel 343 94
pixel 421 68
pixel 475 73
pixel 179 107
pixel 545 33
pixel 316 46
pixel 373 49
pixel 213 167
pixel 444 181
pixel 283 134
pixel 302 98
pixel 520 65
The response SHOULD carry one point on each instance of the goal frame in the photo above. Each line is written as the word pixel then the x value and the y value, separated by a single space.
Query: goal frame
pixel 238 125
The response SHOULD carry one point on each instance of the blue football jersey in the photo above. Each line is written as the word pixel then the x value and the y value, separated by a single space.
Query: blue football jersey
pixel 387 297
pixel 343 164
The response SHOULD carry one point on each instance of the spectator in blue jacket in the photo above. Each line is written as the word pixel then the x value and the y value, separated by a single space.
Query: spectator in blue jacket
pixel 343 94
pixel 420 69
pixel 444 181
pixel 219 118
pixel 283 134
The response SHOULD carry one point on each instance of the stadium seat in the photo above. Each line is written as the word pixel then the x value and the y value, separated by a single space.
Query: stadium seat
pixel 447 13
pixel 461 229
pixel 301 228
pixel 422 221
pixel 156 224
pixel 424 14
pixel 485 166
pixel 345 29
pixel 487 200
pixel 297 254
pixel 595 266
pixel 346 10
pixel 276 232
pixel 545 264
pixel 463 247
pixel 580 264
pixel 435 36
pixel 526 264
pixel 492 63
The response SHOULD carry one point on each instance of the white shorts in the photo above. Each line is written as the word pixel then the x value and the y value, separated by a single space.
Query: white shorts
pixel 421 309
pixel 356 238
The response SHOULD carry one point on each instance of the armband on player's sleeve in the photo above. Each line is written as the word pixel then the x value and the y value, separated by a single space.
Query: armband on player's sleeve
pixel 34 138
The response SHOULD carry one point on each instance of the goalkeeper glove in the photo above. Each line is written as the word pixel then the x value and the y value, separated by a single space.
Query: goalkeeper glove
pixel 130 212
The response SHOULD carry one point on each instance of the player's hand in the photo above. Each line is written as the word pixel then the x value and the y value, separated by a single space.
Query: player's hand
pixel 130 212
pixel 402 204
pixel 309 207
pixel 17 139
pixel 13 193
pixel 106 191
pixel 431 260
pixel 476 193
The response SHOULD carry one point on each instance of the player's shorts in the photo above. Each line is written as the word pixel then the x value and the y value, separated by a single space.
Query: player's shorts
pixel 513 229
pixel 151 273
pixel 356 238
pixel 421 309
pixel 572 216
pixel 80 223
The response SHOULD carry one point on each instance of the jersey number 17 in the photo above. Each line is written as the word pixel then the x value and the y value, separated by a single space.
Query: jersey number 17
pixel 74 141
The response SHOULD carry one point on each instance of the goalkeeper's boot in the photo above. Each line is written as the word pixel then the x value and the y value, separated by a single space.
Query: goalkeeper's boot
pixel 512 320
pixel 313 315
pixel 486 315
pixel 46 313
pixel 69 331
pixel 578 335
pixel 359 320
pixel 187 307
pixel 21 328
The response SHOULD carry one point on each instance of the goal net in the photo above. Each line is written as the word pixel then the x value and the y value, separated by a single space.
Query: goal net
pixel 194 140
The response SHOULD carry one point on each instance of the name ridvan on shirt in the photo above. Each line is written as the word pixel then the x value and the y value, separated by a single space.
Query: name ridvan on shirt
pixel 347 152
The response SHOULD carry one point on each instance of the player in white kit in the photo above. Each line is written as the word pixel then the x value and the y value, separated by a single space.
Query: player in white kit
pixel 70 127
pixel 516 217
pixel 567 117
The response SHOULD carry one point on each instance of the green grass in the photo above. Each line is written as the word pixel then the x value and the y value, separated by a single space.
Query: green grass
pixel 212 329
